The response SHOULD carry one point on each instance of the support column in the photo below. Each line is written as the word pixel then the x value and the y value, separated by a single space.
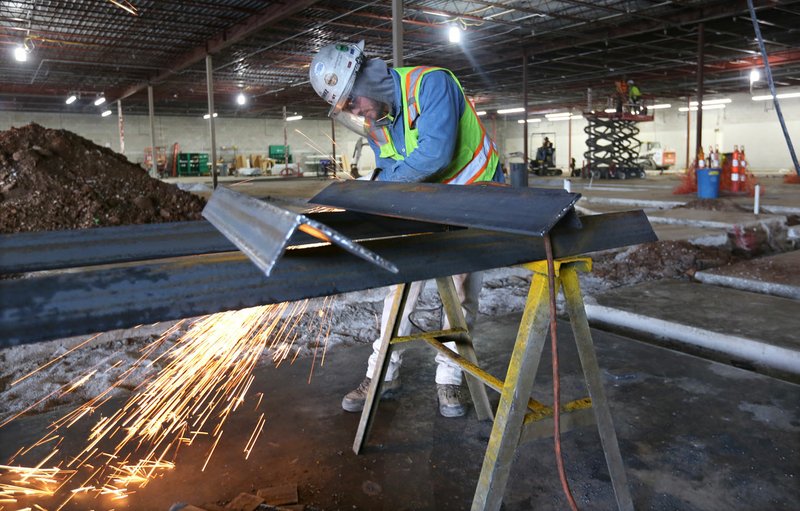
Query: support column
pixel 688 130
pixel 121 125
pixel 397 33
pixel 211 127
pixel 569 145
pixel 701 57
pixel 519 179
pixel 333 146
pixel 154 153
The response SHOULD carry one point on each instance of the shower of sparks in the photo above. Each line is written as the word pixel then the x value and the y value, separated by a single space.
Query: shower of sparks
pixel 310 143
pixel 206 376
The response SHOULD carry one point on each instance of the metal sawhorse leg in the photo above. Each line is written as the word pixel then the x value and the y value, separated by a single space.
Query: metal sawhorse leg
pixel 519 418
pixel 457 332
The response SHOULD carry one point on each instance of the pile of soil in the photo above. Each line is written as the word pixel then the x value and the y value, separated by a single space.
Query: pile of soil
pixel 55 179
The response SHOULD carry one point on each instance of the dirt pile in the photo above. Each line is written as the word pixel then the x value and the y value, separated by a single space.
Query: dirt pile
pixel 55 179
pixel 658 260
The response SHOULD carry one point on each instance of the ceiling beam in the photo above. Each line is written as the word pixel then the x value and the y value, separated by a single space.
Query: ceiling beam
pixel 272 14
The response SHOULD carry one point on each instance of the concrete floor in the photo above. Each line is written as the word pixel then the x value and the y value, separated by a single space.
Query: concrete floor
pixel 694 435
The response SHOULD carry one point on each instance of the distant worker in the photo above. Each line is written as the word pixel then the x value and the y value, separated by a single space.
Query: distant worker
pixel 634 97
pixel 421 128
pixel 621 96
pixel 573 170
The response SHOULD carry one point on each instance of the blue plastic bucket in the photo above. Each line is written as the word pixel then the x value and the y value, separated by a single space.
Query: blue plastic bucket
pixel 708 183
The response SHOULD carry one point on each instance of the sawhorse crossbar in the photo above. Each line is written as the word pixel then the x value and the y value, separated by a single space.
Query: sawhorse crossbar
pixel 518 418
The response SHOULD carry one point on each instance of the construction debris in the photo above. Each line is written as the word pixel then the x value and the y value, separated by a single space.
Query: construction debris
pixel 279 495
pixel 245 502
pixel 55 179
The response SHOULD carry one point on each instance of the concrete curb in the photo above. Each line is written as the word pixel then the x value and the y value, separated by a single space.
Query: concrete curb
pixel 639 203
pixel 752 350
pixel 780 210
pixel 768 288
pixel 778 220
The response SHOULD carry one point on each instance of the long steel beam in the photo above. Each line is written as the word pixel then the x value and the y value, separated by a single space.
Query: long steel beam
pixel 37 251
pixel 86 300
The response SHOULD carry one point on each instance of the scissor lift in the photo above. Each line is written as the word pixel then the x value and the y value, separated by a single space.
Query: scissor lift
pixel 612 146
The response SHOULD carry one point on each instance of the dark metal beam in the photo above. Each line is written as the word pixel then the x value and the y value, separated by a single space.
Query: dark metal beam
pixel 531 211
pixel 85 300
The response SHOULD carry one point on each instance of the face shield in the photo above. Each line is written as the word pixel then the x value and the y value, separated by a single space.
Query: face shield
pixel 355 123
pixel 361 114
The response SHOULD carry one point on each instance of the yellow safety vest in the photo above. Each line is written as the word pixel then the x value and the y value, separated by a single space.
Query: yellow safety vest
pixel 475 157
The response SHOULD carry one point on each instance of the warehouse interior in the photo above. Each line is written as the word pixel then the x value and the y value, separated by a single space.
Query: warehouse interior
pixel 194 261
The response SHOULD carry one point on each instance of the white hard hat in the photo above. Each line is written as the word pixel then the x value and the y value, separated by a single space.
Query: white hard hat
pixel 333 71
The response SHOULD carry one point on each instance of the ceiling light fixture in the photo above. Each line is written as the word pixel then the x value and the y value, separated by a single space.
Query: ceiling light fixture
pixel 754 76
pixel 294 117
pixel 99 101
pixel 20 53
pixel 480 113
pixel 241 99
pixel 454 34
pixel 529 121
pixel 659 106
pixel 71 99
pixel 511 110
pixel 706 102
pixel 693 108
pixel 208 116
pixel 106 113
pixel 783 95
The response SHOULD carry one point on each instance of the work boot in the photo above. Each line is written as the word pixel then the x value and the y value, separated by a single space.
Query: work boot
pixel 354 400
pixel 450 404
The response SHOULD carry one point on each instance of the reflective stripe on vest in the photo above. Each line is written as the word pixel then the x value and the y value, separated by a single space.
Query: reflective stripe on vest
pixel 475 157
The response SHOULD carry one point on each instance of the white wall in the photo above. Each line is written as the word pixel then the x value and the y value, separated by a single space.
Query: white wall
pixel 752 123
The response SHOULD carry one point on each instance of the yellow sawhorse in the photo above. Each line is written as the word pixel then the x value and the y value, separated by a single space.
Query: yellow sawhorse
pixel 519 418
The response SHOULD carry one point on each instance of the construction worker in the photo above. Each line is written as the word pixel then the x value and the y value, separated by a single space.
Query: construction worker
pixel 634 97
pixel 621 96
pixel 421 128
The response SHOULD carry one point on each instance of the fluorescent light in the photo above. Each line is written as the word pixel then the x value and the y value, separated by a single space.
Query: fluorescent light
pixel 480 112
pixel 440 14
pixel 106 113
pixel 294 117
pixel 206 116
pixel 73 98
pixel 610 110
pixel 784 95
pixel 564 117
pixel 718 106
pixel 454 34
pixel 754 76
pixel 511 110
pixel 241 99
pixel 706 102
pixel 20 54
pixel 99 101
pixel 659 106
pixel 529 121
